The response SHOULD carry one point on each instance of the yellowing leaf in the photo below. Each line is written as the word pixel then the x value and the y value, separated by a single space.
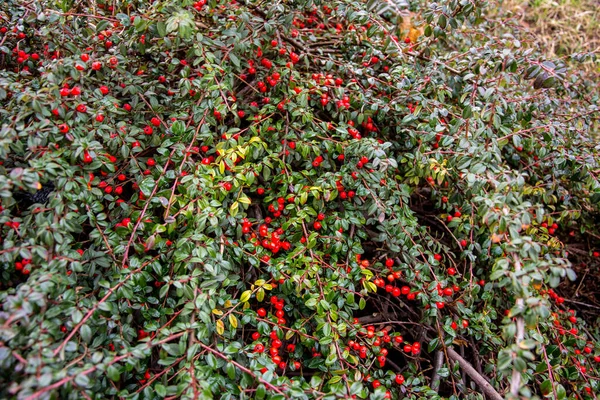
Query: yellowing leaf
pixel 255 139
pixel 370 286
pixel 217 312
pixel 260 294
pixel 233 210
pixel 233 321
pixel 220 327
pixel 244 199
pixel 259 282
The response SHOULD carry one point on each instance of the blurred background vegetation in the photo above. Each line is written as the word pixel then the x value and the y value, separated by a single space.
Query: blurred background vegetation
pixel 560 28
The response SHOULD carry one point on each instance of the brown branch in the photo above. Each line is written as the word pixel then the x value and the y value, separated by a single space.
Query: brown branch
pixel 487 388
pixel 437 364
pixel 244 369
pixel 515 383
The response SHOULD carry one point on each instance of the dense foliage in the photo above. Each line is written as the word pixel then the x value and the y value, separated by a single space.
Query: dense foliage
pixel 296 199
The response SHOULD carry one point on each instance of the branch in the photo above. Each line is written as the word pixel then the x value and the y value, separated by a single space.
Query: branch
pixel 515 382
pixel 437 364
pixel 244 369
pixel 473 374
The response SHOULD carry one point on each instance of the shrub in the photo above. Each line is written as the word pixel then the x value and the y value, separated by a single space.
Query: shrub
pixel 292 200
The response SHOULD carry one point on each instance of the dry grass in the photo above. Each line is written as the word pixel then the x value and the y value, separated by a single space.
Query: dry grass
pixel 560 27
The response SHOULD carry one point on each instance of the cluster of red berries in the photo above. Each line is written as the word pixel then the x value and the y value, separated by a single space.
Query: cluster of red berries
pixel 276 348
pixel 13 224
pixel 142 334
pixel 554 296
pixel 327 80
pixel 23 56
pixel 115 188
pixel 276 208
pixel 340 188
pixel 198 5
pixel 450 217
pixel 23 266
pixel 147 376
pixel 464 323
pixel 270 240
pixel 369 125
pixel 353 132
pixel 317 161
pixel 362 162
pixel 551 228
pixel 438 137
pixel 343 103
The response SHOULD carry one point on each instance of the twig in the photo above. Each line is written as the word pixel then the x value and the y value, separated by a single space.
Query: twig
pixel 582 304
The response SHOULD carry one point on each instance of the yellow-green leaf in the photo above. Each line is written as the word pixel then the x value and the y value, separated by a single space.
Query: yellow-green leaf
pixel 217 311
pixel 233 321
pixel 245 296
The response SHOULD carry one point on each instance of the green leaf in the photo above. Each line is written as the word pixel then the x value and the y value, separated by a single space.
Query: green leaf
pixel 86 333
pixel 113 373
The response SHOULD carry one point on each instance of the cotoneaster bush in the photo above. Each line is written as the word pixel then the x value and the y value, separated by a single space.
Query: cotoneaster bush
pixel 297 200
